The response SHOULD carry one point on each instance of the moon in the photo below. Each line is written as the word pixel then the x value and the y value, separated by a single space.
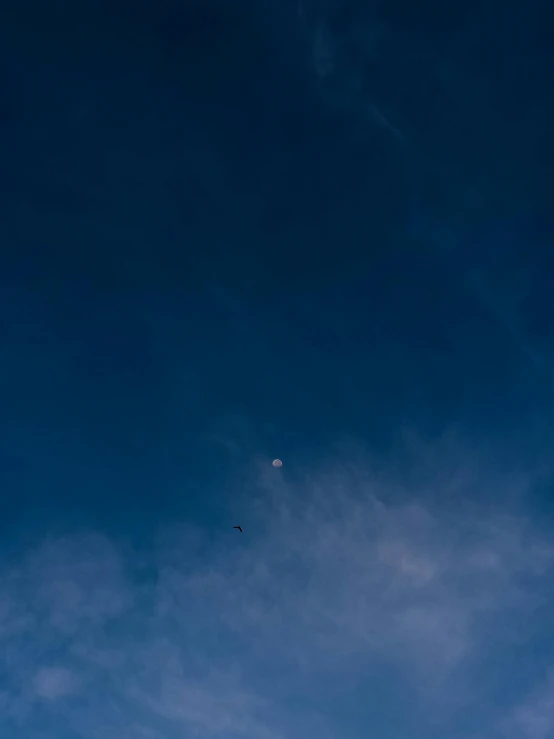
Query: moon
pixel 277 463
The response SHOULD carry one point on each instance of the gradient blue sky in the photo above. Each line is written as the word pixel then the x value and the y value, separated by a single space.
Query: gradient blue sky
pixel 314 230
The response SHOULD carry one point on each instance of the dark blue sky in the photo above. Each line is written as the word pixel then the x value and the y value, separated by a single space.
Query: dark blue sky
pixel 232 231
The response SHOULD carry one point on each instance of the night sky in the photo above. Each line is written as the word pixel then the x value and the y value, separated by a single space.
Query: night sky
pixel 319 231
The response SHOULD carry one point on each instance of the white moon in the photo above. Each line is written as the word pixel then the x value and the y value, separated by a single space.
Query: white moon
pixel 277 463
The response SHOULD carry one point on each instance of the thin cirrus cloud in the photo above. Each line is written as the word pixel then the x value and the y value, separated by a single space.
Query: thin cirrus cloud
pixel 350 607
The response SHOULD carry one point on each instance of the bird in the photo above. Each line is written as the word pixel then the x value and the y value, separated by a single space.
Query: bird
pixel 238 527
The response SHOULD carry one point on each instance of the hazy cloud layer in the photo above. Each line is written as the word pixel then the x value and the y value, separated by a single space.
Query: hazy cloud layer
pixel 346 585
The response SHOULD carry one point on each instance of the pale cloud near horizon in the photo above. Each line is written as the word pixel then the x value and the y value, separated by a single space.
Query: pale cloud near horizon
pixel 337 574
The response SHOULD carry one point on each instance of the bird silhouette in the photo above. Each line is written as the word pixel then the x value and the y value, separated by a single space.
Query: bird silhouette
pixel 238 527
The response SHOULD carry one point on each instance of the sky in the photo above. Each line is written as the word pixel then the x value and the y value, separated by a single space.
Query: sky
pixel 313 230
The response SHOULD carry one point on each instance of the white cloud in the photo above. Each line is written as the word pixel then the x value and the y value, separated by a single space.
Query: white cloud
pixel 334 574
pixel 53 683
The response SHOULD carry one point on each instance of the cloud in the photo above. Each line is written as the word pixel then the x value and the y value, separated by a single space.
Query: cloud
pixel 206 711
pixel 342 579
pixel 534 717
pixel 53 683
pixel 78 581
pixel 338 61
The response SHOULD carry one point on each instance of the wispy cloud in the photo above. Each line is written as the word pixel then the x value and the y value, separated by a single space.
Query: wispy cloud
pixel 78 582
pixel 53 683
pixel 337 575
pixel 533 718
pixel 342 78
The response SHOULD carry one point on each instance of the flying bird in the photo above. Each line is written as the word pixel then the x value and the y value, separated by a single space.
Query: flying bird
pixel 238 527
